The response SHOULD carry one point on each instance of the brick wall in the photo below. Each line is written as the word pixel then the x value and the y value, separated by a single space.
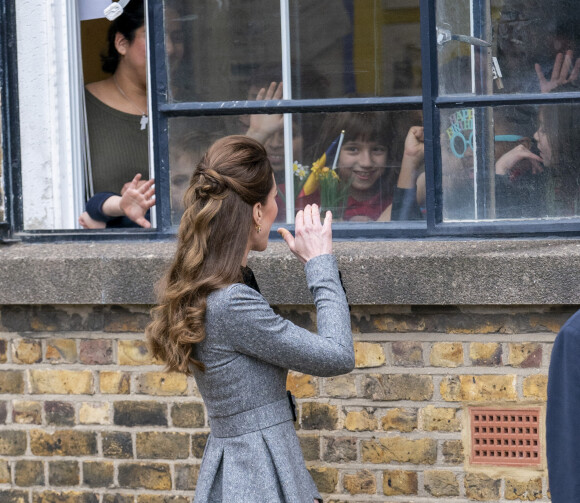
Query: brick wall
pixel 87 416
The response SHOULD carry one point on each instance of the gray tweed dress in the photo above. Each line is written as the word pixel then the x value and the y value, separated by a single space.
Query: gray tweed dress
pixel 252 453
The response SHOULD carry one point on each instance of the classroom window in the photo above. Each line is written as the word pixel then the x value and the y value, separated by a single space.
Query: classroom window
pixel 462 91
pixel 484 162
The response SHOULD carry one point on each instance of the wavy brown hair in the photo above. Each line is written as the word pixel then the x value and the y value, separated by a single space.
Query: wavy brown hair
pixel 230 179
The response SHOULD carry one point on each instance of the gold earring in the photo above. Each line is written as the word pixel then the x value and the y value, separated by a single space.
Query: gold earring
pixel 258 228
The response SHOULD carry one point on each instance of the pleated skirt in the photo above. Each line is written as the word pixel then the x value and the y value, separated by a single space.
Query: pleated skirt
pixel 262 466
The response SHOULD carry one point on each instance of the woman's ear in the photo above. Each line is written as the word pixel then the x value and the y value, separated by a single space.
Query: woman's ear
pixel 257 213
pixel 121 43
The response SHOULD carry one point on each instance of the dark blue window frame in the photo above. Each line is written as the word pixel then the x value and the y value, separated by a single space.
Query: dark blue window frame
pixel 10 123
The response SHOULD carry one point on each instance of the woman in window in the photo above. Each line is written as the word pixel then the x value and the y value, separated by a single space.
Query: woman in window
pixel 117 122
pixel 213 323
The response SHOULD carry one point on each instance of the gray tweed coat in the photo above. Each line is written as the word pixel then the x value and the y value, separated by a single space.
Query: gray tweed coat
pixel 252 454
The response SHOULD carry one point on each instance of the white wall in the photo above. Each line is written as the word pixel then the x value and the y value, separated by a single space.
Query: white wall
pixel 49 144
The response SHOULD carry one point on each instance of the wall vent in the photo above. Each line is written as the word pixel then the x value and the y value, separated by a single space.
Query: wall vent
pixel 506 437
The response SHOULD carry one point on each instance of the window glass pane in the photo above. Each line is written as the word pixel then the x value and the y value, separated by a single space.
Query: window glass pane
pixel 221 51
pixel 534 46
pixel 510 162
pixel 362 185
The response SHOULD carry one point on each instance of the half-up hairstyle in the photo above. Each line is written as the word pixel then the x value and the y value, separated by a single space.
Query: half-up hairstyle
pixel 230 179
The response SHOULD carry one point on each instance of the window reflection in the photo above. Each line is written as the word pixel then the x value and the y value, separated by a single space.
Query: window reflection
pixel 535 171
pixel 535 46
pixel 356 175
pixel 337 49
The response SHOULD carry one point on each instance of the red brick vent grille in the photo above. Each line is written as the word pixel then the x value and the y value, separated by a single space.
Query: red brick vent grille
pixel 505 436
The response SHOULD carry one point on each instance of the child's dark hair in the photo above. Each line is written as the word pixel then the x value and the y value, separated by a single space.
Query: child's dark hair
pixel 366 126
pixel 127 24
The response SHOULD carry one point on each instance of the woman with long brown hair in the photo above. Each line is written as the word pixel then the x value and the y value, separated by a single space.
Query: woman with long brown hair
pixel 212 322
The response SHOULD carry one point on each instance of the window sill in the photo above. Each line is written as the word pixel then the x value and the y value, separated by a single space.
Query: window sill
pixel 491 272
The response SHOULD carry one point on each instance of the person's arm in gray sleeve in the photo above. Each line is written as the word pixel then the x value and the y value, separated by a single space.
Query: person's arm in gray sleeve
pixel 263 334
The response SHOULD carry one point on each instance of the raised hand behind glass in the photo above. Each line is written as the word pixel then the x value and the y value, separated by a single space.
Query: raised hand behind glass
pixel 562 73
pixel 262 126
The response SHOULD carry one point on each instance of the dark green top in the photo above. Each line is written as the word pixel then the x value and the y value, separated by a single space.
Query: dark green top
pixel 119 148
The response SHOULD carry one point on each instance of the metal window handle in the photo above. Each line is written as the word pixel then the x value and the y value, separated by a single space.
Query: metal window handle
pixel 444 35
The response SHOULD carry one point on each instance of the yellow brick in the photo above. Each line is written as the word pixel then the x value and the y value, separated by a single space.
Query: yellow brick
pixel 536 387
pixel 4 473
pixel 545 323
pixel 528 490
pixel 340 386
pixel 61 350
pixel 61 382
pixel 400 450
pixel 441 484
pixel 398 482
pixel 325 478
pixel 446 354
pixel 486 328
pixel 360 421
pixel 135 353
pixel 301 385
pixel 51 496
pixel 404 420
pixel 481 487
pixel 94 413
pixel 363 482
pixel 63 443
pixel 390 324
pixel 26 351
pixel 367 354
pixel 479 388
pixel 163 383
pixel 27 412
pixel 153 476
pixel 440 419
pixel 113 382
pixel 527 354
pixel 485 353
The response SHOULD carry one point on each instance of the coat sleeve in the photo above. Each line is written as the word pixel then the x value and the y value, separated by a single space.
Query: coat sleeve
pixel 562 437
pixel 259 332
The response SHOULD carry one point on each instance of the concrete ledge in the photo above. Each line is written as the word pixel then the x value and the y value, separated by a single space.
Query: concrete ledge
pixel 498 272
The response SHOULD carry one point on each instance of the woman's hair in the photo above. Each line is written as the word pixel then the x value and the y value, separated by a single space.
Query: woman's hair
pixel 230 179
pixel 127 24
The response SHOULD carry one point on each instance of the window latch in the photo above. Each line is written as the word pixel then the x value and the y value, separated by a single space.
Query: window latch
pixel 444 35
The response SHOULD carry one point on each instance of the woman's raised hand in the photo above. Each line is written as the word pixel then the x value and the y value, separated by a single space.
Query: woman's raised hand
pixel 312 238
pixel 137 199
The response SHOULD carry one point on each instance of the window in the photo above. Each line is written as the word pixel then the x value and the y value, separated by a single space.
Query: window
pixel 466 72
pixel 463 111
pixel 346 66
